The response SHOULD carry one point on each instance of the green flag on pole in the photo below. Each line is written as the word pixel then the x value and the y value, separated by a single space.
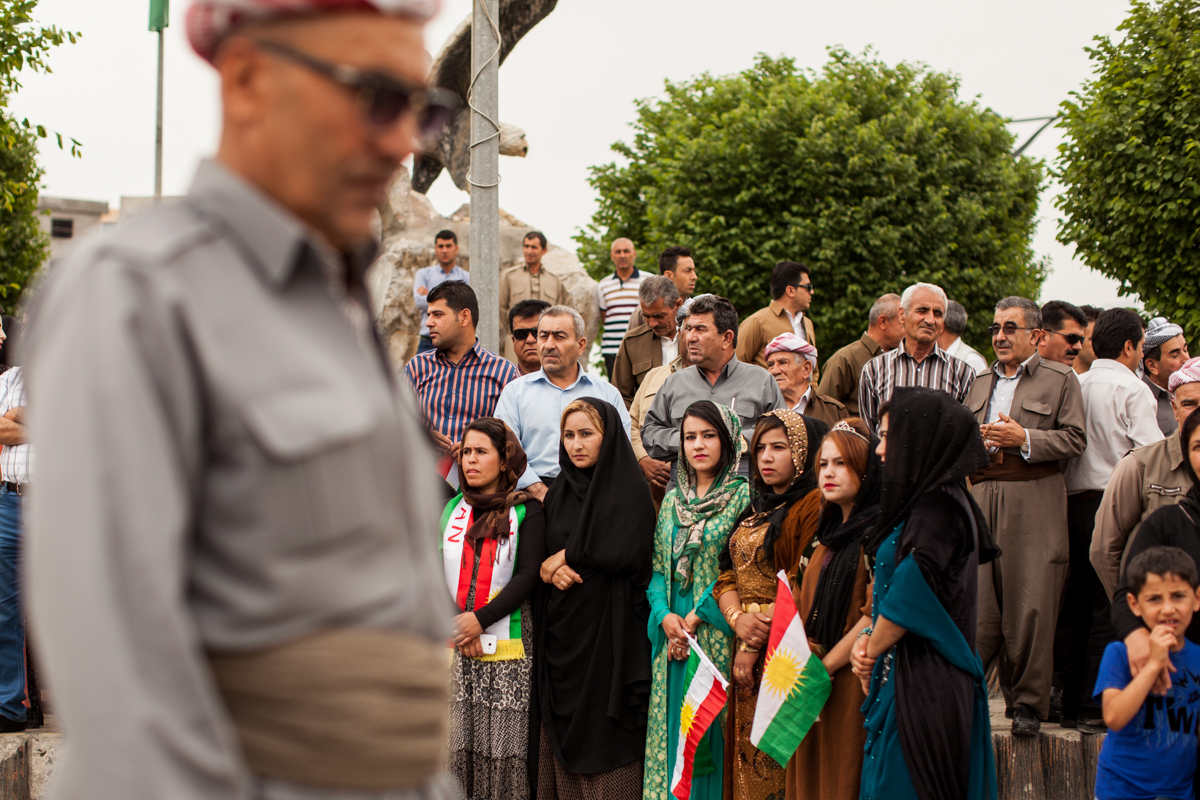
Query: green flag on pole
pixel 159 14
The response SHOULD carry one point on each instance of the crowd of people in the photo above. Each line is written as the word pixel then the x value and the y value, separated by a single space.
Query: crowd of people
pixel 258 563
pixel 906 485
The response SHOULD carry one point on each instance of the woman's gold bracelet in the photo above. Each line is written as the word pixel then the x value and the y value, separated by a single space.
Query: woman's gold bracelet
pixel 746 648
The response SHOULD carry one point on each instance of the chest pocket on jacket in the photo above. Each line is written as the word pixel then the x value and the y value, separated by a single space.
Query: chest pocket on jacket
pixel 318 476
pixel 1042 410
pixel 1165 491
pixel 643 366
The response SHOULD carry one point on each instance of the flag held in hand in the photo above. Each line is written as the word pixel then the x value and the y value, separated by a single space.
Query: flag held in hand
pixel 702 702
pixel 794 686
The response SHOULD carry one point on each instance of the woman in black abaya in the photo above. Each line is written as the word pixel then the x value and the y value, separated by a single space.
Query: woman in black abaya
pixel 592 654
pixel 926 715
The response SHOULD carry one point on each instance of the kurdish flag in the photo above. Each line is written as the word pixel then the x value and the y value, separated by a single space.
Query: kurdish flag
pixel 794 686
pixel 702 702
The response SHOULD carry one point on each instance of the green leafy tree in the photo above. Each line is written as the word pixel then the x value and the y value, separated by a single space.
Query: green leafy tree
pixel 1130 161
pixel 875 176
pixel 23 245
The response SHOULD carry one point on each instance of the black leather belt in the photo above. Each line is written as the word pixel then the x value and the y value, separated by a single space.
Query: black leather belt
pixel 17 488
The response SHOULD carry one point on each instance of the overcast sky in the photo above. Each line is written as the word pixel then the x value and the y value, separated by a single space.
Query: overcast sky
pixel 571 84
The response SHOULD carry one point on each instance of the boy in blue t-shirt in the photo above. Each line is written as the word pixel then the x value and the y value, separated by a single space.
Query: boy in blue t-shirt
pixel 1150 750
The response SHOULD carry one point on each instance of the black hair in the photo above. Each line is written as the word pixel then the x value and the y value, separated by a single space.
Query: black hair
pixel 1056 312
pixel 1113 329
pixel 541 237
pixel 457 295
pixel 1091 312
pixel 706 411
pixel 668 257
pixel 785 274
pixel 1190 423
pixel 723 313
pixel 1161 561
pixel 526 308
pixel 446 234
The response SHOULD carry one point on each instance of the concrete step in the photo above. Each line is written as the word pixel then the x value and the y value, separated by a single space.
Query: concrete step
pixel 26 763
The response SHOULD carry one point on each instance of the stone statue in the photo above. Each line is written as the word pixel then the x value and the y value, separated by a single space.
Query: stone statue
pixel 451 70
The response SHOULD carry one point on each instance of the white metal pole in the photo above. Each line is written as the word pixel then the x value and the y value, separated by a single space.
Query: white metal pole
pixel 485 169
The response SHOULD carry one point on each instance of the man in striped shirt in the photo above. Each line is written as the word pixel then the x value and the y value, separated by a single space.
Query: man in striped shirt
pixel 14 471
pixel 618 297
pixel 918 361
pixel 458 381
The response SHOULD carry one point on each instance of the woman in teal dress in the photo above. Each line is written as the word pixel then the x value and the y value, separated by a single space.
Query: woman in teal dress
pixel 926 714
pixel 693 527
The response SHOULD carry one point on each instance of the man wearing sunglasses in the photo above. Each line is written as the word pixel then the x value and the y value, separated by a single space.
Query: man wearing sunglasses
pixel 1030 414
pixel 523 322
pixel 791 296
pixel 1064 330
pixel 231 579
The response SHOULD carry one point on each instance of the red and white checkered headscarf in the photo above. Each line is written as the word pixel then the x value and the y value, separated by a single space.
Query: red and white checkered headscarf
pixel 791 343
pixel 210 21
pixel 1188 373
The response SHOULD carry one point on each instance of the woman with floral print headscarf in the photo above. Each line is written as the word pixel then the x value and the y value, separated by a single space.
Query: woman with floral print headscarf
pixel 693 528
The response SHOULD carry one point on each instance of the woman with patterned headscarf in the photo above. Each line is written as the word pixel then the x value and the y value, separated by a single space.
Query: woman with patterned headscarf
pixel 693 527
pixel 775 534
pixel 493 543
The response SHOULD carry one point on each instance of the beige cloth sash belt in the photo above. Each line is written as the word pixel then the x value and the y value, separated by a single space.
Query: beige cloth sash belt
pixel 348 709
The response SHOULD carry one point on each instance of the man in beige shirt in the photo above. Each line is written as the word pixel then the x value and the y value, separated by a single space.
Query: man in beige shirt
pixel 530 281
pixel 1144 481
pixel 840 378
pixel 792 294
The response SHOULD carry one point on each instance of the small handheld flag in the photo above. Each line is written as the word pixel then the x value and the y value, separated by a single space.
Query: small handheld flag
pixel 702 702
pixel 794 686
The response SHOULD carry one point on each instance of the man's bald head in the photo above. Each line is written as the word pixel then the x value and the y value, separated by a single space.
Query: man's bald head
pixel 623 255
pixel 303 138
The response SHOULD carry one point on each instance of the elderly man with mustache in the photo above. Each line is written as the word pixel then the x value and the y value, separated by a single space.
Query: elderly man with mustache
pixel 231 578
pixel 918 360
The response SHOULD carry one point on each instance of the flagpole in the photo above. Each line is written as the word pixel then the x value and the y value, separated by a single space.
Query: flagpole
pixel 158 134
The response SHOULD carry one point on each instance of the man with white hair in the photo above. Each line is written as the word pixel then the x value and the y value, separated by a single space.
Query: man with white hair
pixel 231 578
pixel 952 342
pixel 792 361
pixel 532 405
pixel 918 361
pixel 1163 352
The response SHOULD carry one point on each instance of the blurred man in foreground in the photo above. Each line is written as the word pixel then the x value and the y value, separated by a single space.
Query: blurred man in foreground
pixel 231 577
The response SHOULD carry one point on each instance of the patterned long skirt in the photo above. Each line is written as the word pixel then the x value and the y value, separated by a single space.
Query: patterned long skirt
pixel 488 738
pixel 750 773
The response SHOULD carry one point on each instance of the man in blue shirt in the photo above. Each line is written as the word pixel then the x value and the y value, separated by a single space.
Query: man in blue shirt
pixel 532 405
pixel 429 278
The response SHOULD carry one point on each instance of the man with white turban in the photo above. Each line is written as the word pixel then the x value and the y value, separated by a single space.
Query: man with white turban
pixel 1144 481
pixel 231 575
pixel 1164 352
pixel 792 362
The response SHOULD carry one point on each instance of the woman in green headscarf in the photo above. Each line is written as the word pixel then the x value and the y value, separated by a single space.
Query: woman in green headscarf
pixel 693 527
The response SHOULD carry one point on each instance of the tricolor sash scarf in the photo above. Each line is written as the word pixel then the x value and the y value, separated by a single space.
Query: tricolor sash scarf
pixel 497 560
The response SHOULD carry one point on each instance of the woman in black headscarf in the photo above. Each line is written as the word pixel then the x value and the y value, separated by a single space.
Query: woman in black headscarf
pixel 928 734
pixel 592 654
pixel 834 602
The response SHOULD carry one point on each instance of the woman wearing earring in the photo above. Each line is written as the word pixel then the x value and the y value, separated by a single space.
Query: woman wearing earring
pixel 593 660
pixel 835 604
pixel 775 534
pixel 694 524
pixel 493 543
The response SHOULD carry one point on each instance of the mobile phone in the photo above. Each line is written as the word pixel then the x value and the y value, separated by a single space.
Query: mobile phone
pixel 489 644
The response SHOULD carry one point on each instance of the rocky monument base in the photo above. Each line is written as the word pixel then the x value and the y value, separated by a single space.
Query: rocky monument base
pixel 408 223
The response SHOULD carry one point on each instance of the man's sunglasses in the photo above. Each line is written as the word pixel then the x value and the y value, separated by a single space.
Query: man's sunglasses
pixel 808 287
pixel 1072 338
pixel 384 99
pixel 1010 329
pixel 521 334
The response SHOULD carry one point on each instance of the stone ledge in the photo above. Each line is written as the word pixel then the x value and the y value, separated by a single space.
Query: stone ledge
pixel 26 764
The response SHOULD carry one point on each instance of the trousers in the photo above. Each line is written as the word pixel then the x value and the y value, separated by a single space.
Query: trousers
pixel 12 623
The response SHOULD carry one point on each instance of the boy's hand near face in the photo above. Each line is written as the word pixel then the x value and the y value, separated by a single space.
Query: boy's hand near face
pixel 1162 642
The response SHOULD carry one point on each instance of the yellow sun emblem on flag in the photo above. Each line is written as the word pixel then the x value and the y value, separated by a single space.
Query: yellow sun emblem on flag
pixel 687 715
pixel 782 672
pixel 495 593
